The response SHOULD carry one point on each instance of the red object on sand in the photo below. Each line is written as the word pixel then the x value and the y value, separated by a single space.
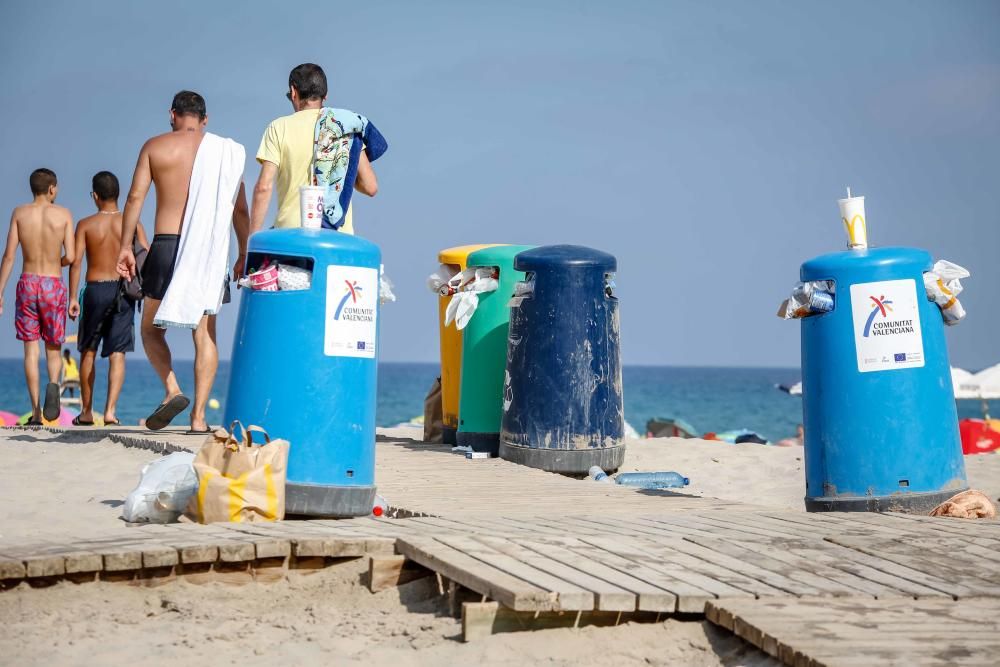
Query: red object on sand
pixel 978 437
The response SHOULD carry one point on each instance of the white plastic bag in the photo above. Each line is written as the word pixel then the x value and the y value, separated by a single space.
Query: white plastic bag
pixel 385 294
pixel 292 278
pixel 165 486
pixel 437 282
pixel 467 286
pixel 943 284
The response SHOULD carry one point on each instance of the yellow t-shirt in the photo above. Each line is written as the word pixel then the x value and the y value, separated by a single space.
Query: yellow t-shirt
pixel 288 143
pixel 70 369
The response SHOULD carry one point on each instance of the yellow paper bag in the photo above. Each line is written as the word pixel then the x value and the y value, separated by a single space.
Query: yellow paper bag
pixel 239 480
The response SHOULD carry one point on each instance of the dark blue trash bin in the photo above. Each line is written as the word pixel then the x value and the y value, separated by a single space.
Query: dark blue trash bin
pixel 562 406
pixel 304 367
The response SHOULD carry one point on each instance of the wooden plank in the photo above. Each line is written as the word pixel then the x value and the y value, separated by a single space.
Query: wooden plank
pixel 569 596
pixel 476 575
pixel 950 582
pixel 747 568
pixel 482 619
pixel 607 597
pixel 660 558
pixel 11 568
pixel 386 572
pixel 661 549
pixel 574 553
pixel 687 598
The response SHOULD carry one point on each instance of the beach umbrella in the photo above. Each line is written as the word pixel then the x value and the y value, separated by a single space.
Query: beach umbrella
pixel 65 418
pixel 984 385
pixel 8 418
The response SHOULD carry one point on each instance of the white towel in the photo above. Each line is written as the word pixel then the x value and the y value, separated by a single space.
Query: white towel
pixel 202 262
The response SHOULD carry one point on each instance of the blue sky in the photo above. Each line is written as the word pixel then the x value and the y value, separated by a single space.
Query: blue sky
pixel 702 143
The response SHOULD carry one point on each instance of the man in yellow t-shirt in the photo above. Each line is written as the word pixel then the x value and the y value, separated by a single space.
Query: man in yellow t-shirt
pixel 286 152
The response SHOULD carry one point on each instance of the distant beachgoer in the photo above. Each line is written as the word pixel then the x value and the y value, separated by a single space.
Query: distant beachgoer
pixel 70 371
pixel 286 154
pixel 797 441
pixel 107 316
pixel 45 233
pixel 185 276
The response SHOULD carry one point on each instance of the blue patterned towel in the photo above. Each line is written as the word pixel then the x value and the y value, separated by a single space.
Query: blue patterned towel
pixel 340 136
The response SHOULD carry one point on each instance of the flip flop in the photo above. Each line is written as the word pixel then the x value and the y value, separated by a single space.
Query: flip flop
pixel 79 422
pixel 51 408
pixel 165 413
pixel 114 423
pixel 207 431
pixel 34 422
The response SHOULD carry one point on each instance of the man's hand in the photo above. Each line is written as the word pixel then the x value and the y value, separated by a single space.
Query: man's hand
pixel 239 266
pixel 126 263
pixel 74 309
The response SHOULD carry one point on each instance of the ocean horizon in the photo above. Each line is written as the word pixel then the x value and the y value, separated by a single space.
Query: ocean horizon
pixel 711 399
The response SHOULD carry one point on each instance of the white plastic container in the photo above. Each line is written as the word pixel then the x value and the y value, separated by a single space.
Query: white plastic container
pixel 311 205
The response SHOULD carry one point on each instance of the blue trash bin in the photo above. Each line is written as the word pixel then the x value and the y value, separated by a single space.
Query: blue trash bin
pixel 304 367
pixel 562 406
pixel 881 427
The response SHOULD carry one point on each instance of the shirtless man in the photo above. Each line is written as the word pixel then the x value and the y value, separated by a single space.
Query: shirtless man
pixel 166 161
pixel 45 232
pixel 108 316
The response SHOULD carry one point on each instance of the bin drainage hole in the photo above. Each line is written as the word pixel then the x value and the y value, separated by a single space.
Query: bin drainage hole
pixel 350 473
pixel 904 482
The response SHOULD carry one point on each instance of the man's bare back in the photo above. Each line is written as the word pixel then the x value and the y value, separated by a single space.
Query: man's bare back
pixel 168 160
pixel 43 230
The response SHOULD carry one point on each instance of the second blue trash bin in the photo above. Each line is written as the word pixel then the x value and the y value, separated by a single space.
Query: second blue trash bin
pixel 304 367
pixel 562 405
pixel 881 430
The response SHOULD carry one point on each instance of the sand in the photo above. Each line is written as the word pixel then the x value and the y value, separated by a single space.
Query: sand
pixel 322 618
pixel 55 490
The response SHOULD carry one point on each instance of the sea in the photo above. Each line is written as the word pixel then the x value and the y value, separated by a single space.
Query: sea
pixel 710 399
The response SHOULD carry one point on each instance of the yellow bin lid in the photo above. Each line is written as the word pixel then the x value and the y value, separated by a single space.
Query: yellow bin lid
pixel 459 254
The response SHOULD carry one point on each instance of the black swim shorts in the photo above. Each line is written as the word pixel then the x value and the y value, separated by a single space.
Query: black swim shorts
pixel 108 316
pixel 159 267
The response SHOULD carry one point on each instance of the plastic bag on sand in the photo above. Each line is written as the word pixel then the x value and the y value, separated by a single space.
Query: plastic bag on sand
pixel 943 285
pixel 437 282
pixel 165 486
pixel 970 504
pixel 293 278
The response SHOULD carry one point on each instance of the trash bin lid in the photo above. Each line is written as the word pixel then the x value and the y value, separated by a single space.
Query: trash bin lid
pixel 321 244
pixel 880 260
pixel 546 258
pixel 459 254
pixel 500 255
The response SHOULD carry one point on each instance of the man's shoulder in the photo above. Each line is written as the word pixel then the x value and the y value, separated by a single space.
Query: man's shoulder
pixel 84 223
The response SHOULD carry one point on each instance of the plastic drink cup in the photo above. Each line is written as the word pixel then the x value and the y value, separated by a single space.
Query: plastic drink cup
pixel 311 205
pixel 852 212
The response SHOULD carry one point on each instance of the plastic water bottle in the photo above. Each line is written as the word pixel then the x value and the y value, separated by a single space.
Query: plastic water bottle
pixel 652 480
pixel 379 507
pixel 595 473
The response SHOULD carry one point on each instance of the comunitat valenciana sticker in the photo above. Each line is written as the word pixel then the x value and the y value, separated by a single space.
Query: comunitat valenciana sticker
pixel 351 311
pixel 887 325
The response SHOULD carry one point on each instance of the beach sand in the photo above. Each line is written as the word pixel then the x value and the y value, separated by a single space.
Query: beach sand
pixel 56 490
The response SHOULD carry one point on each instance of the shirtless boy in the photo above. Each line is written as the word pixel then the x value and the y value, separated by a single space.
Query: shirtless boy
pixel 167 161
pixel 45 233
pixel 108 316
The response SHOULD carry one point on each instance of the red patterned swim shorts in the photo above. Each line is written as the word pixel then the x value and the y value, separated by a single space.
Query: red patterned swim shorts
pixel 40 310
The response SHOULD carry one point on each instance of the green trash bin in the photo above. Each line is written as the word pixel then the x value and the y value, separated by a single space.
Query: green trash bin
pixel 484 353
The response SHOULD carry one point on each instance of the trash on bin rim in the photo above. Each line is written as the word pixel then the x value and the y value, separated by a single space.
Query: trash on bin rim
pixel 943 284
pixel 808 298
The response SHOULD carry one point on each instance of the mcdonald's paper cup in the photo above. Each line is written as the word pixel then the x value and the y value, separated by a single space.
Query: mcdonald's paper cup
pixel 311 204
pixel 852 213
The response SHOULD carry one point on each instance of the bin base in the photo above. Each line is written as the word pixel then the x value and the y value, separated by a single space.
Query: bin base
pixel 479 442
pixel 328 500
pixel 449 435
pixel 913 503
pixel 569 461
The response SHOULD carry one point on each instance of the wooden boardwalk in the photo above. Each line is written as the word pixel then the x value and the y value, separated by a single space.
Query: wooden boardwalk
pixel 810 589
